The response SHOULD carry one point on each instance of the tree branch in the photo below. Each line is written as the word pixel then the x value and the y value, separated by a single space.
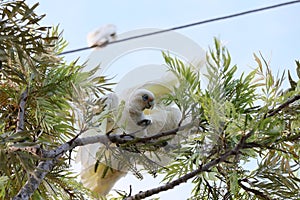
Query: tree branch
pixel 51 156
pixel 34 150
pixel 285 104
pixel 251 145
pixel 255 192
pixel 35 179
pixel 21 112
pixel 122 139
pixel 192 174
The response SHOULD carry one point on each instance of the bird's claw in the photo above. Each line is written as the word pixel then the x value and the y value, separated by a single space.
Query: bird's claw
pixel 144 122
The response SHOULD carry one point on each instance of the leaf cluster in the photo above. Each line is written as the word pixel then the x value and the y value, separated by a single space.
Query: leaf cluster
pixel 231 107
pixel 32 72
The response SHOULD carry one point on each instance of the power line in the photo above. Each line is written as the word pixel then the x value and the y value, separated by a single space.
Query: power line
pixel 188 25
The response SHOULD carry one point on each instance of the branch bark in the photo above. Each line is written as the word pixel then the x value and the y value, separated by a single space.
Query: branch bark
pixel 50 158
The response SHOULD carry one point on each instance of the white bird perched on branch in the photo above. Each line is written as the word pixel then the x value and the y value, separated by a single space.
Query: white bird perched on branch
pixel 138 104
pixel 101 178
pixel 101 36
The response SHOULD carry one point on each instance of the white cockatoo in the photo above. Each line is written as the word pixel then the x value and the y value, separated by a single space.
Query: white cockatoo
pixel 102 35
pixel 139 117
pixel 132 119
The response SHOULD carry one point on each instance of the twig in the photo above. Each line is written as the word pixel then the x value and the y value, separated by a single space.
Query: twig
pixel 255 192
pixel 123 139
pixel 285 104
pixel 130 190
pixel 34 150
pixel 163 134
pixel 251 145
pixel 21 112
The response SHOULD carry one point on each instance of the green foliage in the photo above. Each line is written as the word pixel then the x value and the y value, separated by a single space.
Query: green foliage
pixel 189 87
pixel 60 101
pixel 267 167
pixel 30 67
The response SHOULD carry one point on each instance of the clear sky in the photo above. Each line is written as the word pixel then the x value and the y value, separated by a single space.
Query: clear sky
pixel 275 33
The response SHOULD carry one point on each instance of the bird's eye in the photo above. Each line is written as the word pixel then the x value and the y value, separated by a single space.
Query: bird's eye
pixel 145 97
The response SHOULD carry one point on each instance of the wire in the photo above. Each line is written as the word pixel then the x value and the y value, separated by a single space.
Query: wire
pixel 187 25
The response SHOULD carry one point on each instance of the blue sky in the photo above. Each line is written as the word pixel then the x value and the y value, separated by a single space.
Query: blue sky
pixel 275 33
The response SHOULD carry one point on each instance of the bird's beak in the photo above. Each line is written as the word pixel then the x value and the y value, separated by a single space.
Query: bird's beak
pixel 151 104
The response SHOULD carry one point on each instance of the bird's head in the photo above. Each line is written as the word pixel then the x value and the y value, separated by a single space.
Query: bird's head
pixel 143 99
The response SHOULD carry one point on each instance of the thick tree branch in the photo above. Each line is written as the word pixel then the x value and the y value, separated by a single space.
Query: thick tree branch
pixel 104 139
pixel 51 157
pixel 35 179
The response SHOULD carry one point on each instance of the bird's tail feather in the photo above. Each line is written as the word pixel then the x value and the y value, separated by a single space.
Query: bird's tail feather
pixel 100 180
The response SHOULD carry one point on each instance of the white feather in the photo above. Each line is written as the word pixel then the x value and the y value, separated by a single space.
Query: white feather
pixel 101 35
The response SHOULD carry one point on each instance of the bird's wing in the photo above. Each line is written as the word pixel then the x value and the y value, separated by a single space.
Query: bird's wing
pixel 101 177
pixel 86 155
